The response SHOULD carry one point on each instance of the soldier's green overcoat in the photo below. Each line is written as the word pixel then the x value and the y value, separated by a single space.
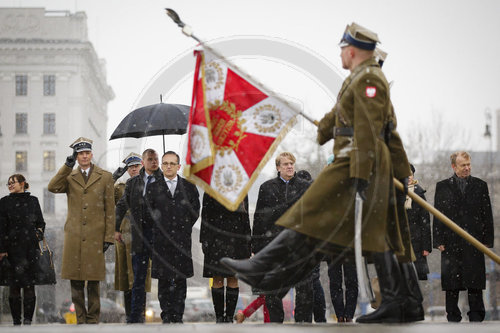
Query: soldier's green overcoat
pixel 90 221
pixel 124 275
pixel 326 210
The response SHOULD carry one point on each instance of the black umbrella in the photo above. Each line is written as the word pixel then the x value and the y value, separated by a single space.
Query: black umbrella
pixel 156 119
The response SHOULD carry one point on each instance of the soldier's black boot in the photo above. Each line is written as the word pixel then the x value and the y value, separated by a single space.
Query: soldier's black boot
pixel 412 304
pixel 286 260
pixel 389 277
pixel 15 309
pixel 29 309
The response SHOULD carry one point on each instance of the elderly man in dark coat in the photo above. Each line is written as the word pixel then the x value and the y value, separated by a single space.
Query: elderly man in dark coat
pixel 275 197
pixel 176 207
pixel 368 155
pixel 464 199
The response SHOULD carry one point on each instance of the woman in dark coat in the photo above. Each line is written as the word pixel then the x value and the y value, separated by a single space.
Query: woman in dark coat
pixel 224 234
pixel 420 227
pixel 21 227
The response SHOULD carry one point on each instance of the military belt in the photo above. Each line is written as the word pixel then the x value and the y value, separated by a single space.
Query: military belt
pixel 343 131
pixel 349 131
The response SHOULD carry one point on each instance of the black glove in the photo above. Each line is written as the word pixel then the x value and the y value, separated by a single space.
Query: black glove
pixel 71 159
pixel 361 185
pixel 119 172
pixel 106 246
pixel 401 195
pixel 404 181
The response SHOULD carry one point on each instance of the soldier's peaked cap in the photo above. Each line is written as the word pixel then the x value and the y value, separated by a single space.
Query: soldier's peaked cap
pixel 359 37
pixel 82 144
pixel 133 159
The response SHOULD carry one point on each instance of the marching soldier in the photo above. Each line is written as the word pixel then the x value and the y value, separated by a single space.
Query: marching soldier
pixel 368 154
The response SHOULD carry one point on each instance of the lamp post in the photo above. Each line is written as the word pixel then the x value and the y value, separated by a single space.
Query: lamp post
pixel 491 181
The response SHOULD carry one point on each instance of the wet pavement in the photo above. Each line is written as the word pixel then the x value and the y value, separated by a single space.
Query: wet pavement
pixel 424 327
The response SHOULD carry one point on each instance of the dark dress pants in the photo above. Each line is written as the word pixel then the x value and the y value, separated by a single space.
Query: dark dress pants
pixel 319 305
pixel 172 297
pixel 304 300
pixel 140 263
pixel 343 309
pixel 476 305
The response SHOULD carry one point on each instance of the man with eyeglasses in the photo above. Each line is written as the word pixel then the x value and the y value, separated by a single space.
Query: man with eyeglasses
pixel 176 204
pixel 136 199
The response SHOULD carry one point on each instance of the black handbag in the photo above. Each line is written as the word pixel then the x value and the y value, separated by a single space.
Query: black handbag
pixel 5 272
pixel 45 272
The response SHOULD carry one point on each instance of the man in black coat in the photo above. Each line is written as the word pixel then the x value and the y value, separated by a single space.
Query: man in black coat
pixel 135 198
pixel 466 201
pixel 275 197
pixel 176 207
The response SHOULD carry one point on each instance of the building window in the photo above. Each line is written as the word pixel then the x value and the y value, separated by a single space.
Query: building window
pixel 49 203
pixel 49 123
pixel 21 123
pixel 49 160
pixel 21 85
pixel 21 161
pixel 49 85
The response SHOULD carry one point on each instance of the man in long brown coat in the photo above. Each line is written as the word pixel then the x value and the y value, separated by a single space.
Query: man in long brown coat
pixel 368 154
pixel 89 228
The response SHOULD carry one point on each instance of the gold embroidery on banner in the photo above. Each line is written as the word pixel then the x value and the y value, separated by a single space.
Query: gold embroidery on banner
pixel 198 144
pixel 214 76
pixel 227 126
pixel 228 180
pixel 268 118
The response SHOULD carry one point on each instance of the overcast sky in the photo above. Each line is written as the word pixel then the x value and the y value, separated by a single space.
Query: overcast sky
pixel 443 55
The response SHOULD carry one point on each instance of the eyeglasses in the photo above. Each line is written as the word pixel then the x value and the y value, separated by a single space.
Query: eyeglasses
pixel 172 164
pixel 11 183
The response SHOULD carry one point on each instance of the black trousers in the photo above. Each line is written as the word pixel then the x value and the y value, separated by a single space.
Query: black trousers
pixel 319 305
pixel 476 305
pixel 343 271
pixel 172 297
pixel 304 299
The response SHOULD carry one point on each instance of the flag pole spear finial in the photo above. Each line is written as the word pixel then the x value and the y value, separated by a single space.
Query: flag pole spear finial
pixel 186 29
